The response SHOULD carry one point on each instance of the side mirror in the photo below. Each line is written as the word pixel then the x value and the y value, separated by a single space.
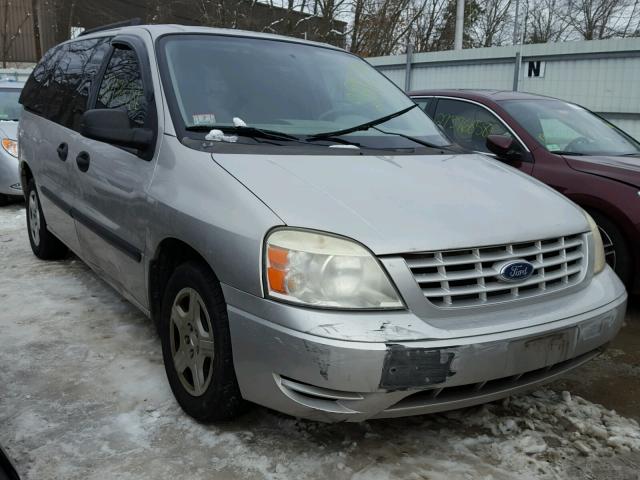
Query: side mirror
pixel 503 147
pixel 113 126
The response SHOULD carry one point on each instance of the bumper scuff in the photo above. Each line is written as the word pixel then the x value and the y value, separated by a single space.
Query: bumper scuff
pixel 405 368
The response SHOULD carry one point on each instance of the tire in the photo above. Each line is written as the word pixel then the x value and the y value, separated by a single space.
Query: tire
pixel 43 243
pixel 616 249
pixel 205 343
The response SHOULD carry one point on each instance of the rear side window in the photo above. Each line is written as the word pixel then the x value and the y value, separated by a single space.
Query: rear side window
pixel 122 86
pixel 60 84
pixel 78 68
pixel 468 124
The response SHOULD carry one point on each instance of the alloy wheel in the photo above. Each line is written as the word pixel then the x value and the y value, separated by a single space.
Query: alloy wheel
pixel 34 218
pixel 191 337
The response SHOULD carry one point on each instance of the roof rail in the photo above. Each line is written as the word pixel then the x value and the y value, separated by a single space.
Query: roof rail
pixel 125 23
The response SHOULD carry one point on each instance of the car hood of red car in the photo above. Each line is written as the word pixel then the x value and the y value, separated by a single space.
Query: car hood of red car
pixel 622 169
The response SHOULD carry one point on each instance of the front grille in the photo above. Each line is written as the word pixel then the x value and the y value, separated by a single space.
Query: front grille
pixel 469 277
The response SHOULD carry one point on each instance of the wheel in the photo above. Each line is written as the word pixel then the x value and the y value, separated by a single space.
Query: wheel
pixel 196 345
pixel 43 243
pixel 616 251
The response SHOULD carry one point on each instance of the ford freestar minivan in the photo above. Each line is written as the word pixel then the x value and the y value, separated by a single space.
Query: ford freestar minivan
pixel 303 236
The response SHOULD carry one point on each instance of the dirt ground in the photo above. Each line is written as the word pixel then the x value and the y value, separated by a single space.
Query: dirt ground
pixel 83 395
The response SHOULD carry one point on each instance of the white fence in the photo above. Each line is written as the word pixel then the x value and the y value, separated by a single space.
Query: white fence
pixel 602 75
pixel 17 74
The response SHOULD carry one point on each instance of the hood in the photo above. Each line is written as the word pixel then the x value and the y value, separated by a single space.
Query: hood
pixel 622 169
pixel 396 204
pixel 9 130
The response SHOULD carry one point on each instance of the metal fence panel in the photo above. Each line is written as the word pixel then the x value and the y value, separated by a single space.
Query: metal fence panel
pixel 602 75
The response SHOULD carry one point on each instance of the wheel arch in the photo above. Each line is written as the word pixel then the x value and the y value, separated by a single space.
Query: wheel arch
pixel 25 174
pixel 170 253
pixel 606 209
pixel 616 216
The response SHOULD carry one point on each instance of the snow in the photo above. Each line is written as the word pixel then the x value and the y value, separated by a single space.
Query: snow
pixel 216 135
pixel 85 397
pixel 238 122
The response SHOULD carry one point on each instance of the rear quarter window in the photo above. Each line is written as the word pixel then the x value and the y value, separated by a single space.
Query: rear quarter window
pixel 59 86
pixel 35 94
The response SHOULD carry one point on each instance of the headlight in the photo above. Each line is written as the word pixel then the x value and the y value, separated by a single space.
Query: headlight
pixel 325 271
pixel 598 253
pixel 10 146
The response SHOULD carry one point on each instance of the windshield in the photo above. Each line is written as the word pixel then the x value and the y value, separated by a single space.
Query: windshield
pixel 562 127
pixel 9 107
pixel 287 87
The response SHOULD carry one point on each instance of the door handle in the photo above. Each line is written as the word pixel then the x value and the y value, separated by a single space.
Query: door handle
pixel 63 151
pixel 83 160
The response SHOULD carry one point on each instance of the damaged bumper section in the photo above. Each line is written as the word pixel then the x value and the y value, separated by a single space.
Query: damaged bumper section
pixel 314 376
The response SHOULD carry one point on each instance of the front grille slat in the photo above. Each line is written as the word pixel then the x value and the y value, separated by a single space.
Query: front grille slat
pixel 467 277
pixel 416 261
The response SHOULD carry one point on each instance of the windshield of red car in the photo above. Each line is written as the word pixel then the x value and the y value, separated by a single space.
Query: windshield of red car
pixel 565 128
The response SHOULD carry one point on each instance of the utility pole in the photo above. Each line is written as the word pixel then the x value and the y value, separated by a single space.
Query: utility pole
pixel 518 40
pixel 516 24
pixel 407 68
pixel 457 44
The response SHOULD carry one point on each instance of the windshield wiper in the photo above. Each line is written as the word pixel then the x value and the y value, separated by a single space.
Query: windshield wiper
pixel 330 138
pixel 363 126
pixel 414 139
pixel 565 152
pixel 252 132
pixel 633 154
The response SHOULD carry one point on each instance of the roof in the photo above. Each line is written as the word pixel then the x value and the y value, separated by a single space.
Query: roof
pixel 495 95
pixel 159 30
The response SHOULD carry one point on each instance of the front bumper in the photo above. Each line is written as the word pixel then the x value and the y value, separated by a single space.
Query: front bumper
pixel 9 175
pixel 312 375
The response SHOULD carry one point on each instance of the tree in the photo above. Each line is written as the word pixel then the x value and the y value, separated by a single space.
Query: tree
pixel 427 28
pixel 445 33
pixel 632 25
pixel 383 25
pixel 494 20
pixel 597 19
pixel 544 22
pixel 10 32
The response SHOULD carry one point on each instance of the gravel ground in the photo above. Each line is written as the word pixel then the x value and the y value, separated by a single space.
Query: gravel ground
pixel 84 396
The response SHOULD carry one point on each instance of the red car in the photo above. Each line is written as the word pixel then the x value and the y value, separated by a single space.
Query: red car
pixel 564 145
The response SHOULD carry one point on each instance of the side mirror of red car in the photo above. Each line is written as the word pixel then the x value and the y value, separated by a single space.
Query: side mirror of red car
pixel 499 144
pixel 505 148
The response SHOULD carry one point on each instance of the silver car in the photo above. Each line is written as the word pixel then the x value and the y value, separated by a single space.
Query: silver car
pixel 9 116
pixel 303 237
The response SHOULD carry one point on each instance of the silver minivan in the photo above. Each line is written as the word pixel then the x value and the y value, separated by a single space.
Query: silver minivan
pixel 302 235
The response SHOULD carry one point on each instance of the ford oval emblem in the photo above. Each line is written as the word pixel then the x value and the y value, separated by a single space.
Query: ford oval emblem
pixel 515 271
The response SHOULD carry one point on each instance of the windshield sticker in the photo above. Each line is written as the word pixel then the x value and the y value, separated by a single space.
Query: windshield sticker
pixel 203 119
